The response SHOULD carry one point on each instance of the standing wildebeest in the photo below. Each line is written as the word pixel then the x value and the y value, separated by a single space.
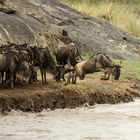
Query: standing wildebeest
pixel 44 60
pixel 67 54
pixel 8 63
pixel 94 64
pixel 13 58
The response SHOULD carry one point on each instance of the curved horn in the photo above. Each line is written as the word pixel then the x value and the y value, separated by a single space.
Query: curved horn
pixel 14 51
pixel 24 52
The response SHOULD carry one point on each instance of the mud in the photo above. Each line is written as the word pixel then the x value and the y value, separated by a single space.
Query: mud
pixel 37 97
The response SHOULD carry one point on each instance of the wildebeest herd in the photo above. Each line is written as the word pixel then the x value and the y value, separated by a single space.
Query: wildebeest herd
pixel 18 62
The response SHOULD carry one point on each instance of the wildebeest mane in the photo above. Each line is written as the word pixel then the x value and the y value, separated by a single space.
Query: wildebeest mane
pixel 103 59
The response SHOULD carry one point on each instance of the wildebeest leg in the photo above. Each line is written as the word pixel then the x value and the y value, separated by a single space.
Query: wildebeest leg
pixel 2 77
pixel 30 81
pixel 69 65
pixel 69 78
pixel 19 83
pixel 44 71
pixel 62 73
pixel 32 75
pixel 74 79
pixel 104 76
pixel 35 76
pixel 108 76
pixel 41 70
pixel 63 77
pixel 12 79
pixel 7 79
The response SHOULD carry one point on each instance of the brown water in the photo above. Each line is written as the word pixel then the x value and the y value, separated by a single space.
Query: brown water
pixel 101 122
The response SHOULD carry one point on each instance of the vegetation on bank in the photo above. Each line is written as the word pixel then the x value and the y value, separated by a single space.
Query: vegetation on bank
pixel 124 14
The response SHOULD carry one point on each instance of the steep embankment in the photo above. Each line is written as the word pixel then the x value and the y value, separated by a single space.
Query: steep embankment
pixel 37 97
pixel 90 34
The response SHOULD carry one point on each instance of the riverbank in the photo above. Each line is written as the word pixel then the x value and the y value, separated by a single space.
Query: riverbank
pixel 37 97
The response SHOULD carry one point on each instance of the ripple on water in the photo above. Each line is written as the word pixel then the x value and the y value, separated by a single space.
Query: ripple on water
pixel 101 122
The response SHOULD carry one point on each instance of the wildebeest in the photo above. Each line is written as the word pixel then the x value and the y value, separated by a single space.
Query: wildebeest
pixel 26 53
pixel 44 60
pixel 114 71
pixel 67 54
pixel 94 64
pixel 8 62
pixel 12 57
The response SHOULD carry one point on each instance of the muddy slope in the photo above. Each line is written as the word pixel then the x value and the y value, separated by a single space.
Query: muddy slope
pixel 37 97
pixel 90 34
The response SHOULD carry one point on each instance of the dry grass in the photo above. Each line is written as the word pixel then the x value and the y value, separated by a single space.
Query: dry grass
pixel 119 14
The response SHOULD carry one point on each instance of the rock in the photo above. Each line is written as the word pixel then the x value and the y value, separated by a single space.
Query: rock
pixel 89 33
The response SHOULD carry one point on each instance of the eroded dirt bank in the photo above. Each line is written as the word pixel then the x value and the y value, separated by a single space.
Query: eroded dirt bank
pixel 37 97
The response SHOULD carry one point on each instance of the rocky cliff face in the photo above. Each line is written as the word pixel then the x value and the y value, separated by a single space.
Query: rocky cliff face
pixel 90 34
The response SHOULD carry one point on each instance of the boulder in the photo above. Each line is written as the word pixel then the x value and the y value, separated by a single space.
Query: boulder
pixel 90 34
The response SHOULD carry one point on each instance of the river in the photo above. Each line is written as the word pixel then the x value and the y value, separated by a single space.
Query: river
pixel 100 122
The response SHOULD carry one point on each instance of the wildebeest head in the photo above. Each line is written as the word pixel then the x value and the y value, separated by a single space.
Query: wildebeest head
pixel 24 71
pixel 57 72
pixel 4 49
pixel 35 54
pixel 116 71
pixel 75 55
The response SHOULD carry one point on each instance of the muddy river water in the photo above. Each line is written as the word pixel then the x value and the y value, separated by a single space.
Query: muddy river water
pixel 100 122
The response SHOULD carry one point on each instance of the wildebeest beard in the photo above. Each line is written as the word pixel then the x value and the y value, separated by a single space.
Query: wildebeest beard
pixel 117 72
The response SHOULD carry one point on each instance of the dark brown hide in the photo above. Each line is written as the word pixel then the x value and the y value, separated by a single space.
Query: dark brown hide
pixel 67 54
